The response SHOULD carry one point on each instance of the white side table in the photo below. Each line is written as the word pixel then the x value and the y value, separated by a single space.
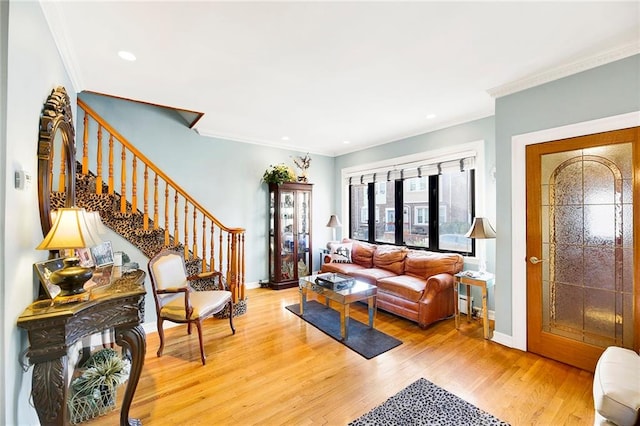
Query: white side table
pixel 469 278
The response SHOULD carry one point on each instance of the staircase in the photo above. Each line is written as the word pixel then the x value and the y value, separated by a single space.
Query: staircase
pixel 164 216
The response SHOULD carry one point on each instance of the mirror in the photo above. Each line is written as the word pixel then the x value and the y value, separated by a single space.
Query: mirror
pixel 56 156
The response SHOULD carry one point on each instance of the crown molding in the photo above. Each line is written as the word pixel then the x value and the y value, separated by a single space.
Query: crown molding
pixel 566 70
pixel 58 28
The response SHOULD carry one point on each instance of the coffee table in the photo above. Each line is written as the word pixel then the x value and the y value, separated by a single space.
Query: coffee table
pixel 356 292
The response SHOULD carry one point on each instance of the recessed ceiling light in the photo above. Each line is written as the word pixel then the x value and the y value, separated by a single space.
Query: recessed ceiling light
pixel 127 56
pixel 346 142
pixel 431 116
pixel 285 138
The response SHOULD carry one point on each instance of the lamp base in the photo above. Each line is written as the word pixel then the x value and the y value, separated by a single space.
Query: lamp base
pixel 71 277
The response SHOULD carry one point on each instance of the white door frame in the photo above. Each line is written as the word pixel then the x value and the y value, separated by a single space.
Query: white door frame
pixel 519 208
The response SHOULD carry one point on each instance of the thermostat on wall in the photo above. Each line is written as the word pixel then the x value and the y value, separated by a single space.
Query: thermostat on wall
pixel 22 179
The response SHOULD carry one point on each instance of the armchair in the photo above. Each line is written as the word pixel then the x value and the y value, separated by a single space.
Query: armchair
pixel 177 301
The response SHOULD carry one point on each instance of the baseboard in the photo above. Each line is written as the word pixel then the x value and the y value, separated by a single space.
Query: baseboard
pixel 503 339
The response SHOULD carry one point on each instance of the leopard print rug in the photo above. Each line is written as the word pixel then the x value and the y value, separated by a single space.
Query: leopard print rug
pixel 423 403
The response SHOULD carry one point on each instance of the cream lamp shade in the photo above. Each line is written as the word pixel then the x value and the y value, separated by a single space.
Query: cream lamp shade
pixel 334 222
pixel 70 230
pixel 481 229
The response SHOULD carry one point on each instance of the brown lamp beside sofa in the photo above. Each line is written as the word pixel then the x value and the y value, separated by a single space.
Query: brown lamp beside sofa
pixel 414 284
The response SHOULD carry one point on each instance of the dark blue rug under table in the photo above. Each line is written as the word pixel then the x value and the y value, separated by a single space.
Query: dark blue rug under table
pixel 366 341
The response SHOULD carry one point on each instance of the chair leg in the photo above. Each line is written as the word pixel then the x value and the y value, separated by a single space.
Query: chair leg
pixel 189 327
pixel 202 355
pixel 161 335
pixel 233 329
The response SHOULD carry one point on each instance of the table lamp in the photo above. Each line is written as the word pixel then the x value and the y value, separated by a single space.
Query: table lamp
pixel 333 223
pixel 70 230
pixel 481 229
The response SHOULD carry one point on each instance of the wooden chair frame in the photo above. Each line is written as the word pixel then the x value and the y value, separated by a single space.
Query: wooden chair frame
pixel 186 291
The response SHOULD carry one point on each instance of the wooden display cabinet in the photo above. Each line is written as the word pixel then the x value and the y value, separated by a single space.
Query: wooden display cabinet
pixel 290 248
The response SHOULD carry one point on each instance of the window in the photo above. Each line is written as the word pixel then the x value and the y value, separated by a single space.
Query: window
pixel 436 209
pixel 418 184
pixel 359 216
pixel 422 215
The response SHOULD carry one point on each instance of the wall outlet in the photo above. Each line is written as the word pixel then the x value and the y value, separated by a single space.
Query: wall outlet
pixel 462 304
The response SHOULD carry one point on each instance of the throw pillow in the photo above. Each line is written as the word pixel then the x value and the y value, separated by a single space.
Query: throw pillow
pixel 341 253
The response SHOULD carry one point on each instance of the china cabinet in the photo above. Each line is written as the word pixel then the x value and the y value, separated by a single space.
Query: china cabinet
pixel 289 233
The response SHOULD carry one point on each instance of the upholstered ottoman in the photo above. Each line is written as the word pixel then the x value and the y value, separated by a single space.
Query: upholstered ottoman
pixel 616 387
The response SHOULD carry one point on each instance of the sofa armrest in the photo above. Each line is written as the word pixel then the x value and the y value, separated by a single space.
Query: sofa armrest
pixel 435 285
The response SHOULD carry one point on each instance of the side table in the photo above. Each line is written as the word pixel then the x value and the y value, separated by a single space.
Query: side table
pixel 52 329
pixel 469 278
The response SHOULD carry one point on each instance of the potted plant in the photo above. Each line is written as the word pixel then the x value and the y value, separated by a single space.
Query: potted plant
pixel 278 174
pixel 93 393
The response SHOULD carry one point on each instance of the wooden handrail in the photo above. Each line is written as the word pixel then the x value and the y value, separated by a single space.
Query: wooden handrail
pixel 152 166
pixel 230 261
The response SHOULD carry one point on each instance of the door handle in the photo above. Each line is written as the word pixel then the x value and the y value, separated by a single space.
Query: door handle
pixel 535 260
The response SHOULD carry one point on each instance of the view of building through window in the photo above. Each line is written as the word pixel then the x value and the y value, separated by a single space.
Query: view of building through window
pixel 455 208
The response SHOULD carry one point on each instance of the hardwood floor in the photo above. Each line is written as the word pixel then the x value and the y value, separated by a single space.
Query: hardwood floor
pixel 277 370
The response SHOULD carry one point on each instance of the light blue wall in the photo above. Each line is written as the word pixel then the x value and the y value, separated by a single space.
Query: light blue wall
pixel 223 175
pixel 33 69
pixel 601 92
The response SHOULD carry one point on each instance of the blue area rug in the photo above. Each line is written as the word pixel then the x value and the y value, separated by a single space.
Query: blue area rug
pixel 361 339
pixel 423 403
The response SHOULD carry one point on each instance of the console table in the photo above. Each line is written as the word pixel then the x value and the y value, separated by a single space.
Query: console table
pixel 53 329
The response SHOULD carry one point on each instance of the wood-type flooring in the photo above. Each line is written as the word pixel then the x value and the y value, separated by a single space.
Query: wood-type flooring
pixel 280 370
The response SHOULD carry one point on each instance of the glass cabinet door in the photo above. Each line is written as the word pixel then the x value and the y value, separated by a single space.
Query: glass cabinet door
pixel 303 237
pixel 272 207
pixel 287 241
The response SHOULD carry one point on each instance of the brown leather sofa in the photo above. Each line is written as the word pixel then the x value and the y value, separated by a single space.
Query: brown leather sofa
pixel 414 284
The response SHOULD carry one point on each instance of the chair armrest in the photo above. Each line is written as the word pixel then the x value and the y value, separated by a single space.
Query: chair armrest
pixel 188 309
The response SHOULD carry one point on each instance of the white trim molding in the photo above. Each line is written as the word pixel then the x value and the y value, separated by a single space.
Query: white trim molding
pixel 621 52
pixel 519 210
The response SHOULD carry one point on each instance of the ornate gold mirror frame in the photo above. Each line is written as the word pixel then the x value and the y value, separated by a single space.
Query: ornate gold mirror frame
pixel 57 138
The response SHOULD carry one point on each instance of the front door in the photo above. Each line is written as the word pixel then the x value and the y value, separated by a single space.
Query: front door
pixel 582 260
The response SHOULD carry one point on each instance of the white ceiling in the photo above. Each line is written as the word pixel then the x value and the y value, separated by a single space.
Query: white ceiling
pixel 321 73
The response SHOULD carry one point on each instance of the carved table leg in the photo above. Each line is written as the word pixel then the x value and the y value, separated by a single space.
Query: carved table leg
pixel 132 339
pixel 49 390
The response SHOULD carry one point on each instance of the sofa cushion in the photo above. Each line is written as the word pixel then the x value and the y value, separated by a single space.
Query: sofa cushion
pixel 371 275
pixel 616 389
pixel 405 286
pixel 362 253
pixel 424 264
pixel 340 252
pixel 341 268
pixel 390 258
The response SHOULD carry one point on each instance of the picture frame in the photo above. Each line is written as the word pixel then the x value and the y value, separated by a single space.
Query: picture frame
pixel 44 270
pixel 102 254
pixel 85 256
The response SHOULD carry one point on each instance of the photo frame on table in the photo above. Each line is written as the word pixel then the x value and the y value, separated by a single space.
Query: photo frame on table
pixel 86 259
pixel 102 254
pixel 44 270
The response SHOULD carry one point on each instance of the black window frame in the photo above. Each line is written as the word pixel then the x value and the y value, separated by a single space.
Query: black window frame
pixel 433 189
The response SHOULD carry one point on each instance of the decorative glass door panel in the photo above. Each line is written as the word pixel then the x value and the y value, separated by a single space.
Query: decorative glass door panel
pixel 587 289
pixel 580 225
